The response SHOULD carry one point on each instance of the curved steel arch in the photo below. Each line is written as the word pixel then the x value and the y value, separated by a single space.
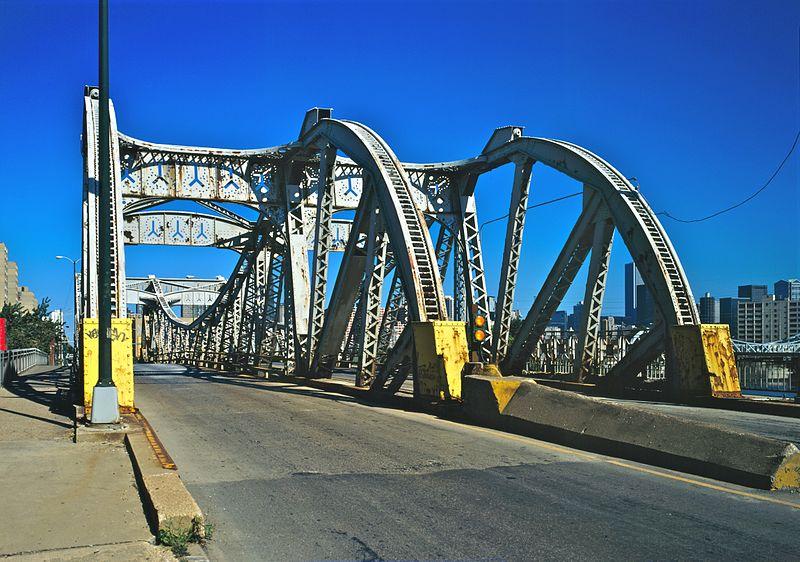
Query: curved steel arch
pixel 405 226
pixel 645 238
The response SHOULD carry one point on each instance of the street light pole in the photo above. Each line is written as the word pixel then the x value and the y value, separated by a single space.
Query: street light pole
pixel 74 306
pixel 105 407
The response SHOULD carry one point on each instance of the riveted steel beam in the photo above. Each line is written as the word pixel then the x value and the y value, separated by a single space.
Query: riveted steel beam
pixel 322 241
pixel 589 327
pixel 511 254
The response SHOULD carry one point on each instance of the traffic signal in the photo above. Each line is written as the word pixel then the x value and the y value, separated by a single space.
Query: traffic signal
pixel 479 328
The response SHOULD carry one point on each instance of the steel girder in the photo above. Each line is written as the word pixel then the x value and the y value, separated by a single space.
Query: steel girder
pixel 589 327
pixel 518 209
pixel 345 290
pixel 470 253
pixel 322 240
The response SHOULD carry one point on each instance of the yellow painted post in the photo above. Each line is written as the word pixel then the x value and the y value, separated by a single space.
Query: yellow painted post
pixel 122 361
pixel 440 353
pixel 706 362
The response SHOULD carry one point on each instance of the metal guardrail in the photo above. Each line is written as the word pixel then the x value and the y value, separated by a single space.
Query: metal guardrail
pixel 20 360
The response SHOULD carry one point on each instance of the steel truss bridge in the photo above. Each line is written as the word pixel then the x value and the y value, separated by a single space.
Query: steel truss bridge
pixel 339 187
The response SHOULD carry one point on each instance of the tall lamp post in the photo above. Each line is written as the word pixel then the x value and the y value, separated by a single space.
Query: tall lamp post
pixel 105 405
pixel 74 304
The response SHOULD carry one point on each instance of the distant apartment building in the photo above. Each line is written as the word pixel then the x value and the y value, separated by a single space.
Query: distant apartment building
pixel 9 278
pixel 56 316
pixel 492 307
pixel 787 289
pixel 767 320
pixel 27 299
pixel 753 293
pixel 607 324
pixel 709 309
pixel 3 274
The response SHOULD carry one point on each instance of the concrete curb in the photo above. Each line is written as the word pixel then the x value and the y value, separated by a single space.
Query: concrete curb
pixel 169 505
pixel 522 406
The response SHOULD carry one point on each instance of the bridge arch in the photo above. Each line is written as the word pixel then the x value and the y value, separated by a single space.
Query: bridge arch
pixel 405 226
pixel 609 198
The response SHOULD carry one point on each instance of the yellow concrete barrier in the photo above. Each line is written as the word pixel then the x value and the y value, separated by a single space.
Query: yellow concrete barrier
pixel 706 361
pixel 121 361
pixel 441 351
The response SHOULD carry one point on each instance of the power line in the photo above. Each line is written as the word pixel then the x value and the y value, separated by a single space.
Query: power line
pixel 667 213
pixel 542 204
pixel 743 201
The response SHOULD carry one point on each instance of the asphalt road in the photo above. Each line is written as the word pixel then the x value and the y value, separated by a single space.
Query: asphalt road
pixel 290 473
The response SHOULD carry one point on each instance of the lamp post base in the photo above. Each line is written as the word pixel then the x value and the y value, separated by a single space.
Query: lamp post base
pixel 105 408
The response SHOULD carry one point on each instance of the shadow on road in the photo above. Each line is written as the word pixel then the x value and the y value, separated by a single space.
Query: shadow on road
pixel 144 370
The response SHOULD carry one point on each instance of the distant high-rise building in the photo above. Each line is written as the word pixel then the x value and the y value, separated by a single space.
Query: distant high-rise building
pixel 709 309
pixel 768 320
pixel 449 306
pixel 632 281
pixel 787 289
pixel 728 313
pixel 607 324
pixel 644 306
pixel 753 293
pixel 3 274
pixel 9 278
pixel 559 320
pixel 56 316
pixel 574 319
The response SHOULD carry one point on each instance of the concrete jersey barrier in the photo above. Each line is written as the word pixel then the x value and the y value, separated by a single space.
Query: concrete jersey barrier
pixel 522 406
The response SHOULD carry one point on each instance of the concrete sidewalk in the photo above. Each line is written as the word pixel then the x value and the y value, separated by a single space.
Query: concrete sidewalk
pixel 63 500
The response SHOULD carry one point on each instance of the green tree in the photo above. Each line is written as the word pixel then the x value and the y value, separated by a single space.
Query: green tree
pixel 513 329
pixel 26 329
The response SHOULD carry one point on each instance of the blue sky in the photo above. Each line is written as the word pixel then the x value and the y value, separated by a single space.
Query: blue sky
pixel 698 100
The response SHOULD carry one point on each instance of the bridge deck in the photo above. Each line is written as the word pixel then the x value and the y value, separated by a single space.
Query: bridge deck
pixel 288 472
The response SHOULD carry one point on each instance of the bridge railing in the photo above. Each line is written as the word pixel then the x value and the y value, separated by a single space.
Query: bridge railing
pixel 15 361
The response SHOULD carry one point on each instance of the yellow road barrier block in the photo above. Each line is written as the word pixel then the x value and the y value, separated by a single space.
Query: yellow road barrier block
pixel 121 361
pixel 787 477
pixel 706 361
pixel 504 391
pixel 441 352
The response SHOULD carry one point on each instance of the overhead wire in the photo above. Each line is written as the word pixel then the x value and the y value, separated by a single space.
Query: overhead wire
pixel 535 205
pixel 746 199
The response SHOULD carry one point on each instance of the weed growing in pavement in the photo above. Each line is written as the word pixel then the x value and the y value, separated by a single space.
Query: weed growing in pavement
pixel 179 541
